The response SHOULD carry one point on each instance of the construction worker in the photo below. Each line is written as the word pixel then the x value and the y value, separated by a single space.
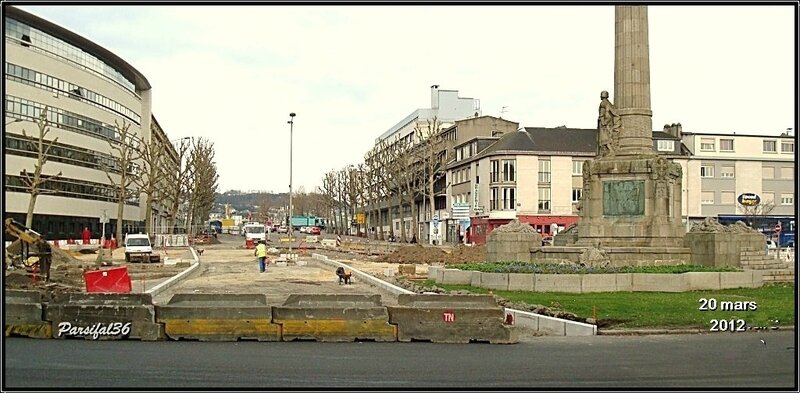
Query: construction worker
pixel 261 254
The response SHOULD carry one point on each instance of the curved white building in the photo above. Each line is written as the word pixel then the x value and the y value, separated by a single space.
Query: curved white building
pixel 87 89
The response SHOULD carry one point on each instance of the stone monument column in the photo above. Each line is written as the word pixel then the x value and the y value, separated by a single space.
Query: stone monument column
pixel 631 199
pixel 632 80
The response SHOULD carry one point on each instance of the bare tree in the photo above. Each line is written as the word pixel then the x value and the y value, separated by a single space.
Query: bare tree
pixel 353 189
pixel 341 197
pixel 381 160
pixel 204 181
pixel 34 182
pixel 125 145
pixel 177 175
pixel 430 154
pixel 756 214
pixel 328 190
pixel 150 176
pixel 401 177
pixel 264 206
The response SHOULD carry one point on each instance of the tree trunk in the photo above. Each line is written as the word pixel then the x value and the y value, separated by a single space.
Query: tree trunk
pixel 120 213
pixel 31 204
pixel 148 211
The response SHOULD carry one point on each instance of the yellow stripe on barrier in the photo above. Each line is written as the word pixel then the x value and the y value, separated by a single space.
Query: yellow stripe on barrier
pixel 38 330
pixel 238 327
pixel 375 329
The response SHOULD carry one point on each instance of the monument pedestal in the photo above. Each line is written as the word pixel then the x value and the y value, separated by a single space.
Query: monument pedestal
pixel 631 202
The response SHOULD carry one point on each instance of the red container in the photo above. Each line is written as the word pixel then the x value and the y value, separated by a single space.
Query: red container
pixel 249 243
pixel 114 280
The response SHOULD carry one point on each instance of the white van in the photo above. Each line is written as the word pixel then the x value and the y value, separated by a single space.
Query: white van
pixel 255 231
pixel 138 247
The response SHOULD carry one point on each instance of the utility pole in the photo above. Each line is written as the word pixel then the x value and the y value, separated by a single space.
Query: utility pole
pixel 291 126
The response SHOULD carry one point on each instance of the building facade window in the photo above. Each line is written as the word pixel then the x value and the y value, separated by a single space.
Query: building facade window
pixel 787 199
pixel 18 145
pixel 665 145
pixel 544 171
pixel 494 172
pixel 768 197
pixel 787 173
pixel 544 199
pixel 707 171
pixel 494 198
pixel 577 168
pixel 707 144
pixel 787 147
pixel 727 197
pixel 509 200
pixel 53 84
pixel 727 171
pixel 29 110
pixel 707 198
pixel 576 194
pixel 769 147
pixel 45 43
pixel 71 188
pixel 726 145
pixel 509 170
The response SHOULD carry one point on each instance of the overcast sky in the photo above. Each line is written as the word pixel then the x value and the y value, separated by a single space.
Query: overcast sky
pixel 233 74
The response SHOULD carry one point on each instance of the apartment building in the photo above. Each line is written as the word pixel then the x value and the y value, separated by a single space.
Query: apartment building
pixel 725 166
pixel 535 175
pixel 87 89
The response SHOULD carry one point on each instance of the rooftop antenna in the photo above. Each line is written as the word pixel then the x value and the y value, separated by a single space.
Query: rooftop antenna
pixel 503 110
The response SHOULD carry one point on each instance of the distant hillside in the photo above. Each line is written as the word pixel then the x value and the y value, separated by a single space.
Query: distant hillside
pixel 242 201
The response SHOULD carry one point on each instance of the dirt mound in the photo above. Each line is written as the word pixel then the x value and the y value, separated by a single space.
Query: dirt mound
pixel 419 254
pixel 464 254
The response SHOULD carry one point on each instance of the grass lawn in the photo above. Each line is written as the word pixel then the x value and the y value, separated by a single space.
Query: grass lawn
pixel 664 309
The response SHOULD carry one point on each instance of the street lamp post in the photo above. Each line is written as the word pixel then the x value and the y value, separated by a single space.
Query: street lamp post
pixel 291 126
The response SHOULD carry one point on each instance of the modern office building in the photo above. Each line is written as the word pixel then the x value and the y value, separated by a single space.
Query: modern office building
pixel 86 90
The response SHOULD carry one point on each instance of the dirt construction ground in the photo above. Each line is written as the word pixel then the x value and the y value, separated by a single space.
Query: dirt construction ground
pixel 68 268
pixel 236 271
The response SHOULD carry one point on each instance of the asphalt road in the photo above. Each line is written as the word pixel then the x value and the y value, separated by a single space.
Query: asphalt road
pixel 734 361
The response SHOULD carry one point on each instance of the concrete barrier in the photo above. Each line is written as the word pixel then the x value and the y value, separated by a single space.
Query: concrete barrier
pixel 498 281
pixel 616 282
pixel 24 315
pixel 598 283
pixel 702 280
pixel 523 317
pixel 103 316
pixel 659 282
pixel 218 317
pixel 334 318
pixel 747 279
pixel 456 277
pixel 451 319
pixel 570 283
pixel 520 282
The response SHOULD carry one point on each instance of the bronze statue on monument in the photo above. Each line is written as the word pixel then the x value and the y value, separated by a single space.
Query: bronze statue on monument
pixel 608 126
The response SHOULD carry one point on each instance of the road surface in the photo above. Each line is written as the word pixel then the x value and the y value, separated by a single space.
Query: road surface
pixel 734 361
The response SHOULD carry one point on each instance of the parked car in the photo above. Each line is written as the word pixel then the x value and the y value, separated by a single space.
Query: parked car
pixel 314 231
pixel 771 245
pixel 283 229
pixel 303 229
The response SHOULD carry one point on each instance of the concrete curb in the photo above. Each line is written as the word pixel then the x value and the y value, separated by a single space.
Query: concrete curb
pixel 156 290
pixel 538 322
pixel 391 288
